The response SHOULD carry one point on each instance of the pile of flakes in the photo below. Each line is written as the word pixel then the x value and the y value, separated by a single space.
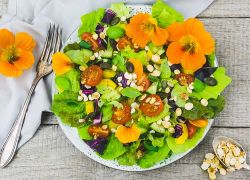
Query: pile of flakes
pixel 228 153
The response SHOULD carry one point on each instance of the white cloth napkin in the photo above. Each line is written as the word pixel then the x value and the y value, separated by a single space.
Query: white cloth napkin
pixel 34 16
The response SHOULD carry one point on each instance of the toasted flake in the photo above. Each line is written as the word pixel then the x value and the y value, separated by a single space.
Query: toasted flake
pixel 85 97
pixel 232 161
pixel 123 18
pixel 209 156
pixel 81 120
pixel 220 152
pixel 135 105
pixel 96 95
pixel 159 122
pixel 189 106
pixel 166 124
pixel 134 76
pixel 230 169
pixel 104 126
pixel 102 35
pixel 155 58
pixel 156 73
pixel 143 97
pixel 205 166
pixel 177 71
pixel 204 102
pixel 95 36
pixel 223 171
pixel 132 110
pixel 212 176
pixel 236 151
pixel 114 67
pixel 238 165
pixel 119 79
pixel 152 101
pixel 178 111
pixel 171 130
pixel 167 118
pixel 150 68
pixel 79 98
pixel 92 57
pixel 167 90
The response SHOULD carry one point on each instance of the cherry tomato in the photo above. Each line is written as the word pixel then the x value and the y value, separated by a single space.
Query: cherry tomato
pixel 87 37
pixel 152 105
pixel 124 42
pixel 92 75
pixel 99 131
pixel 184 79
pixel 144 82
pixel 191 130
pixel 122 115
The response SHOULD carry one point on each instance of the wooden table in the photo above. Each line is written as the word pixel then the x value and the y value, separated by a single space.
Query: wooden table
pixel 50 155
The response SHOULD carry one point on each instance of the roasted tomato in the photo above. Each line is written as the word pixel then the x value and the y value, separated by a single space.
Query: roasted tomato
pixel 87 37
pixel 152 105
pixel 99 131
pixel 191 130
pixel 92 75
pixel 124 42
pixel 144 82
pixel 184 79
pixel 122 115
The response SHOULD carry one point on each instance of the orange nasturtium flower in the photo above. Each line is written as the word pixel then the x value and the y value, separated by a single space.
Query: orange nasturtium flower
pixel 15 52
pixel 61 63
pixel 143 28
pixel 190 42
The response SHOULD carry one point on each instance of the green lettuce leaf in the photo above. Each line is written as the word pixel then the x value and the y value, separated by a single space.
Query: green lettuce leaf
pixel 189 143
pixel 129 158
pixel 177 92
pixel 119 61
pixel 165 69
pixel 130 92
pixel 114 149
pixel 156 141
pixel 164 113
pixel 151 158
pixel 107 112
pixel 66 106
pixel 69 81
pixel 214 91
pixel 211 58
pixel 90 21
pixel 83 133
pixel 165 15
pixel 120 9
pixel 80 57
pixel 199 111
pixel 130 53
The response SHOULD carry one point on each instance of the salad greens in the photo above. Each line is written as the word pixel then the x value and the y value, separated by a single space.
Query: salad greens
pixel 127 94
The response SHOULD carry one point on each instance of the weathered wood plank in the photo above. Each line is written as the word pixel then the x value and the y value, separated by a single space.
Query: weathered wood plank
pixel 49 155
pixel 233 52
pixel 228 8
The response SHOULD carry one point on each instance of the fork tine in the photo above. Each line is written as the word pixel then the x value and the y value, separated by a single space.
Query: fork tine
pixel 51 41
pixel 57 43
pixel 46 43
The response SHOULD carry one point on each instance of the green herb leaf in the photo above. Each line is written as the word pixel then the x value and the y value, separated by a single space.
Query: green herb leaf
pixel 129 158
pixel 130 92
pixel 83 133
pixel 165 69
pixel 152 157
pixel 114 149
pixel 165 15
pixel 120 9
pixel 90 21
pixel 222 82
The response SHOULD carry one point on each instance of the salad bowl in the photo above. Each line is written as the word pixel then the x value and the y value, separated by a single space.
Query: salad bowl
pixel 73 134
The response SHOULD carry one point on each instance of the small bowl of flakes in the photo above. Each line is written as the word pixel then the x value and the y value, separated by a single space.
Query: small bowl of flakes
pixel 228 156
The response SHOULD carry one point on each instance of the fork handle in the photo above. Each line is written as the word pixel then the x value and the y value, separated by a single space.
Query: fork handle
pixel 10 145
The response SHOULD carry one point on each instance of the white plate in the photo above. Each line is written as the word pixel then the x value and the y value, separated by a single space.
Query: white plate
pixel 72 133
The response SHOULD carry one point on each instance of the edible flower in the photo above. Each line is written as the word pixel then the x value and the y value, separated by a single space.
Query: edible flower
pixel 15 52
pixel 143 28
pixel 61 63
pixel 190 42
pixel 127 134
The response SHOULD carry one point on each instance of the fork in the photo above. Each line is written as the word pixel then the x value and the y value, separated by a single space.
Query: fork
pixel 52 44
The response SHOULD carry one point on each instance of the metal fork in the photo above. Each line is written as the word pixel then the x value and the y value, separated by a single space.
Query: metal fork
pixel 52 44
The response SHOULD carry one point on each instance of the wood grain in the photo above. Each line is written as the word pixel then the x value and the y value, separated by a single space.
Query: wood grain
pixel 49 155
